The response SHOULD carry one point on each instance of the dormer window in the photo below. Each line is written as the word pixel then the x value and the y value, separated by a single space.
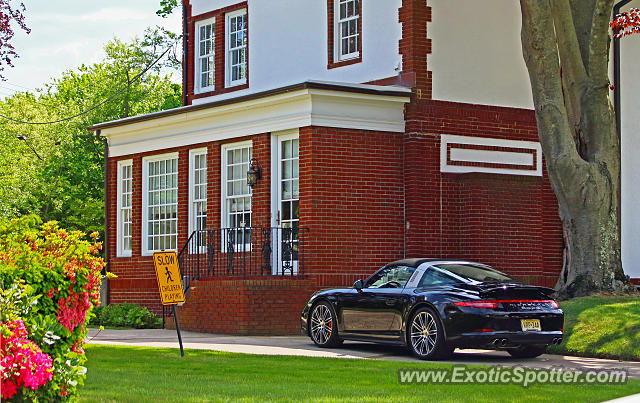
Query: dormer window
pixel 205 55
pixel 348 29
pixel 345 32
pixel 236 48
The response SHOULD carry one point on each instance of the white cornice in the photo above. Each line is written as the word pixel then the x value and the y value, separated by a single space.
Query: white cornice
pixel 304 107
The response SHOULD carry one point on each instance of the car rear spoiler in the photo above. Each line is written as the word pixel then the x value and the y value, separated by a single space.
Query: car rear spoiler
pixel 502 290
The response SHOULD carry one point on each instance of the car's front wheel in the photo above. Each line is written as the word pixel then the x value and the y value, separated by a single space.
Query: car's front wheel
pixel 527 351
pixel 323 327
pixel 426 336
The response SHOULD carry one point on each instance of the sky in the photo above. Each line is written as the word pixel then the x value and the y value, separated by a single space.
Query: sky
pixel 67 33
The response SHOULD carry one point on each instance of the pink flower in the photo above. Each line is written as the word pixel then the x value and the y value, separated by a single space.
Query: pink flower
pixel 23 362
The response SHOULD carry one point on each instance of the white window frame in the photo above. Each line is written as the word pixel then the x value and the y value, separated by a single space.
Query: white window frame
pixel 276 196
pixel 120 251
pixel 339 57
pixel 145 195
pixel 198 71
pixel 223 194
pixel 228 49
pixel 192 212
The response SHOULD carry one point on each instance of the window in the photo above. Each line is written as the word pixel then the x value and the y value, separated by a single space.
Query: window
pixel 347 27
pixel 125 191
pixel 391 277
pixel 236 203
pixel 205 55
pixel 198 193
pixel 236 48
pixel 434 278
pixel 160 203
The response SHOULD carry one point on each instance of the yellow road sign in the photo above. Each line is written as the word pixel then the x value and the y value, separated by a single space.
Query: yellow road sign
pixel 168 275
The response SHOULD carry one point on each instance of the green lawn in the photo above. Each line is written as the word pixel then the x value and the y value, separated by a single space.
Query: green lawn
pixel 129 374
pixel 601 326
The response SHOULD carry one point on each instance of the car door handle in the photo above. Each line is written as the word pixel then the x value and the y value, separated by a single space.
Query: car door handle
pixel 390 301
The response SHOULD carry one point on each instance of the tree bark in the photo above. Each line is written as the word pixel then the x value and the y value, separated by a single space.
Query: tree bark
pixel 565 47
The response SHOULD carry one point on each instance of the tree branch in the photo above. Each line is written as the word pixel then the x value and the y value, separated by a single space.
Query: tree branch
pixel 582 13
pixel 574 74
pixel 541 56
pixel 597 112
pixel 599 42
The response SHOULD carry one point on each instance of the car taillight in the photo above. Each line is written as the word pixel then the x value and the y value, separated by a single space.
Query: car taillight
pixel 495 303
pixel 478 304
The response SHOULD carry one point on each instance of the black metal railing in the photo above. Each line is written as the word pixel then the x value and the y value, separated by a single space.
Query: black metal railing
pixel 243 252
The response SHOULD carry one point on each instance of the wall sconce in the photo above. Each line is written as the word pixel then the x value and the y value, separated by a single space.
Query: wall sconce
pixel 254 173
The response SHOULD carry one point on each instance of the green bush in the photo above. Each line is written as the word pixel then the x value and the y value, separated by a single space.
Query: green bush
pixel 125 315
pixel 49 280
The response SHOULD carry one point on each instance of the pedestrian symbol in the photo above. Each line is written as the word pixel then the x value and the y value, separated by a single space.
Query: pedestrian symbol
pixel 168 275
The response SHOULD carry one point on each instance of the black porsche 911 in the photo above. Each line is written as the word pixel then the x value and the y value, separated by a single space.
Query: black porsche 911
pixel 434 306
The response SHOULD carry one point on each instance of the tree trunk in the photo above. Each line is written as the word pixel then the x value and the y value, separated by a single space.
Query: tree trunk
pixel 565 45
pixel 592 242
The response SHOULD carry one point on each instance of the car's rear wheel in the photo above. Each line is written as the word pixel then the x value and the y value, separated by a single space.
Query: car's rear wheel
pixel 323 327
pixel 425 337
pixel 527 351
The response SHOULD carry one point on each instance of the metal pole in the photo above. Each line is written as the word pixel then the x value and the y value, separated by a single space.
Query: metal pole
pixel 175 318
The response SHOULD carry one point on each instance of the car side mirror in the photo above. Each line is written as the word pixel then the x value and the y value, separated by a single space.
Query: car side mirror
pixel 358 285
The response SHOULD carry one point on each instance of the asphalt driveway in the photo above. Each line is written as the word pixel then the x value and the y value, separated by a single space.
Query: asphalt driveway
pixel 302 346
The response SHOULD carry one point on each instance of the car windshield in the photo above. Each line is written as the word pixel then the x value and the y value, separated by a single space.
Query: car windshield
pixel 476 273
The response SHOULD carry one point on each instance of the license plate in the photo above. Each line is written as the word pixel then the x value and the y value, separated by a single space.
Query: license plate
pixel 530 325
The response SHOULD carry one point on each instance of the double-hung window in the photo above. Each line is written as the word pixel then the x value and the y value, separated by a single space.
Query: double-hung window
pixel 347 15
pixel 236 203
pixel 125 191
pixel 205 55
pixel 160 203
pixel 198 196
pixel 236 47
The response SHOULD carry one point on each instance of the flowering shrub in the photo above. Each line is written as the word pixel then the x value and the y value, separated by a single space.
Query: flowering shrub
pixel 626 23
pixel 23 362
pixel 50 281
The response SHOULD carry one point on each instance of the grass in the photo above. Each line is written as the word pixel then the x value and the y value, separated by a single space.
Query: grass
pixel 601 326
pixel 134 374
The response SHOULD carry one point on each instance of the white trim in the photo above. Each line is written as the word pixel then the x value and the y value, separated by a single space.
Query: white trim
pixel 300 108
pixel 227 55
pixel 120 252
pixel 192 215
pixel 511 158
pixel 524 159
pixel 145 192
pixel 197 87
pixel 276 169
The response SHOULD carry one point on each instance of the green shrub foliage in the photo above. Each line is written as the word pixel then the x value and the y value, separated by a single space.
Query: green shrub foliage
pixel 50 279
pixel 125 315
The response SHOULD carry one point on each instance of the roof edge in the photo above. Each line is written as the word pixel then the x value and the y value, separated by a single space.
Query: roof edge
pixel 319 85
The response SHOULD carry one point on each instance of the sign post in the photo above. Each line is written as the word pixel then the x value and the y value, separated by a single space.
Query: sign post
pixel 169 284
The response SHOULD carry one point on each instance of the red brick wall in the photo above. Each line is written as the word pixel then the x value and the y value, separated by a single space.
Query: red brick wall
pixel 508 221
pixel 351 191
pixel 260 306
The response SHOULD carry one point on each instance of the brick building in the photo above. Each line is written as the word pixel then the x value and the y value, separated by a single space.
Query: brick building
pixel 364 156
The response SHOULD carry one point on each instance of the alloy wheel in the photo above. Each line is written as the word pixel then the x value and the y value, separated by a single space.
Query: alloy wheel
pixel 424 333
pixel 321 324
